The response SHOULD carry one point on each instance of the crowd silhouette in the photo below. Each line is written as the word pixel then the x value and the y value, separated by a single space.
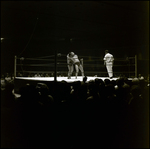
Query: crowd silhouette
pixel 81 114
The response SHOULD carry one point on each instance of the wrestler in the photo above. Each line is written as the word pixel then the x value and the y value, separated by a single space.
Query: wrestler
pixel 74 59
pixel 108 62
pixel 70 65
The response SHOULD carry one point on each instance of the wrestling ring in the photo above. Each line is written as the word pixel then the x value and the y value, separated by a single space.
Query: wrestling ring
pixel 50 69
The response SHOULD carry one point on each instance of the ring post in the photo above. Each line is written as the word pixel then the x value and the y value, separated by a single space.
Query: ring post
pixel 55 72
pixel 135 66
pixel 129 65
pixel 15 62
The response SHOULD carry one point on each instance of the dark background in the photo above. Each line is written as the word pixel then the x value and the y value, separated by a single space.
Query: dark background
pixel 38 28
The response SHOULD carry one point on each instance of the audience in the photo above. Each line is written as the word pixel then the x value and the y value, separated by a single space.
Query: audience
pixel 102 112
pixel 3 82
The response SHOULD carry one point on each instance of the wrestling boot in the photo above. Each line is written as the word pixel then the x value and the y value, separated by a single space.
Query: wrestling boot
pixel 69 76
pixel 82 74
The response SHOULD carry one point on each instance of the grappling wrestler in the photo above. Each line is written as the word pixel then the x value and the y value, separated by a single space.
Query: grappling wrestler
pixel 72 60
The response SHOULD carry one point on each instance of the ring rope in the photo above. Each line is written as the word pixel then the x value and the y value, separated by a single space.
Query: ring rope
pixel 89 68
pixel 99 65
pixel 45 56
pixel 66 72
pixel 35 64
pixel 35 59
pixel 91 57
pixel 38 71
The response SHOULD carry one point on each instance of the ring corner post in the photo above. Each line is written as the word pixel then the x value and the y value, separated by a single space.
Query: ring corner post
pixel 15 63
pixel 135 66
pixel 55 71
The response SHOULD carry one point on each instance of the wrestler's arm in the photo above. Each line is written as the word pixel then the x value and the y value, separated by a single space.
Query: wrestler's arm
pixel 75 56
pixel 68 56
pixel 104 60
pixel 69 61
pixel 112 60
pixel 81 60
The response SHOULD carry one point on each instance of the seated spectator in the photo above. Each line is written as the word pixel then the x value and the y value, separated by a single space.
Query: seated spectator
pixel 136 91
pixel 140 77
pixel 93 93
pixel 46 75
pixel 110 90
pixel 29 96
pixel 37 75
pixel 3 82
pixel 7 78
pixel 148 81
pixel 143 85
pixel 83 92
pixel 97 82
pixel 106 81
pixel 19 74
pixel 122 91
pixel 62 92
pixel 42 75
pixel 113 82
pixel 101 90
pixel 126 87
pixel 84 81
pixel 119 83
pixel 7 97
pixel 135 81
pixel 75 91
pixel 12 77
pixel 119 90
pixel 44 97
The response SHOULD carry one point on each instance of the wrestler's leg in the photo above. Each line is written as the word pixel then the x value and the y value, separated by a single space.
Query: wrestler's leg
pixel 81 69
pixel 107 67
pixel 109 70
pixel 70 70
pixel 77 70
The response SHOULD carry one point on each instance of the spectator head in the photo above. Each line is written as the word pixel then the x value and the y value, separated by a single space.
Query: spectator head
pixel 97 81
pixel 120 82
pixel 107 81
pixel 84 79
pixel 91 86
pixel 113 82
pixel 135 91
pixel 140 77
pixel 42 88
pixel 135 81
